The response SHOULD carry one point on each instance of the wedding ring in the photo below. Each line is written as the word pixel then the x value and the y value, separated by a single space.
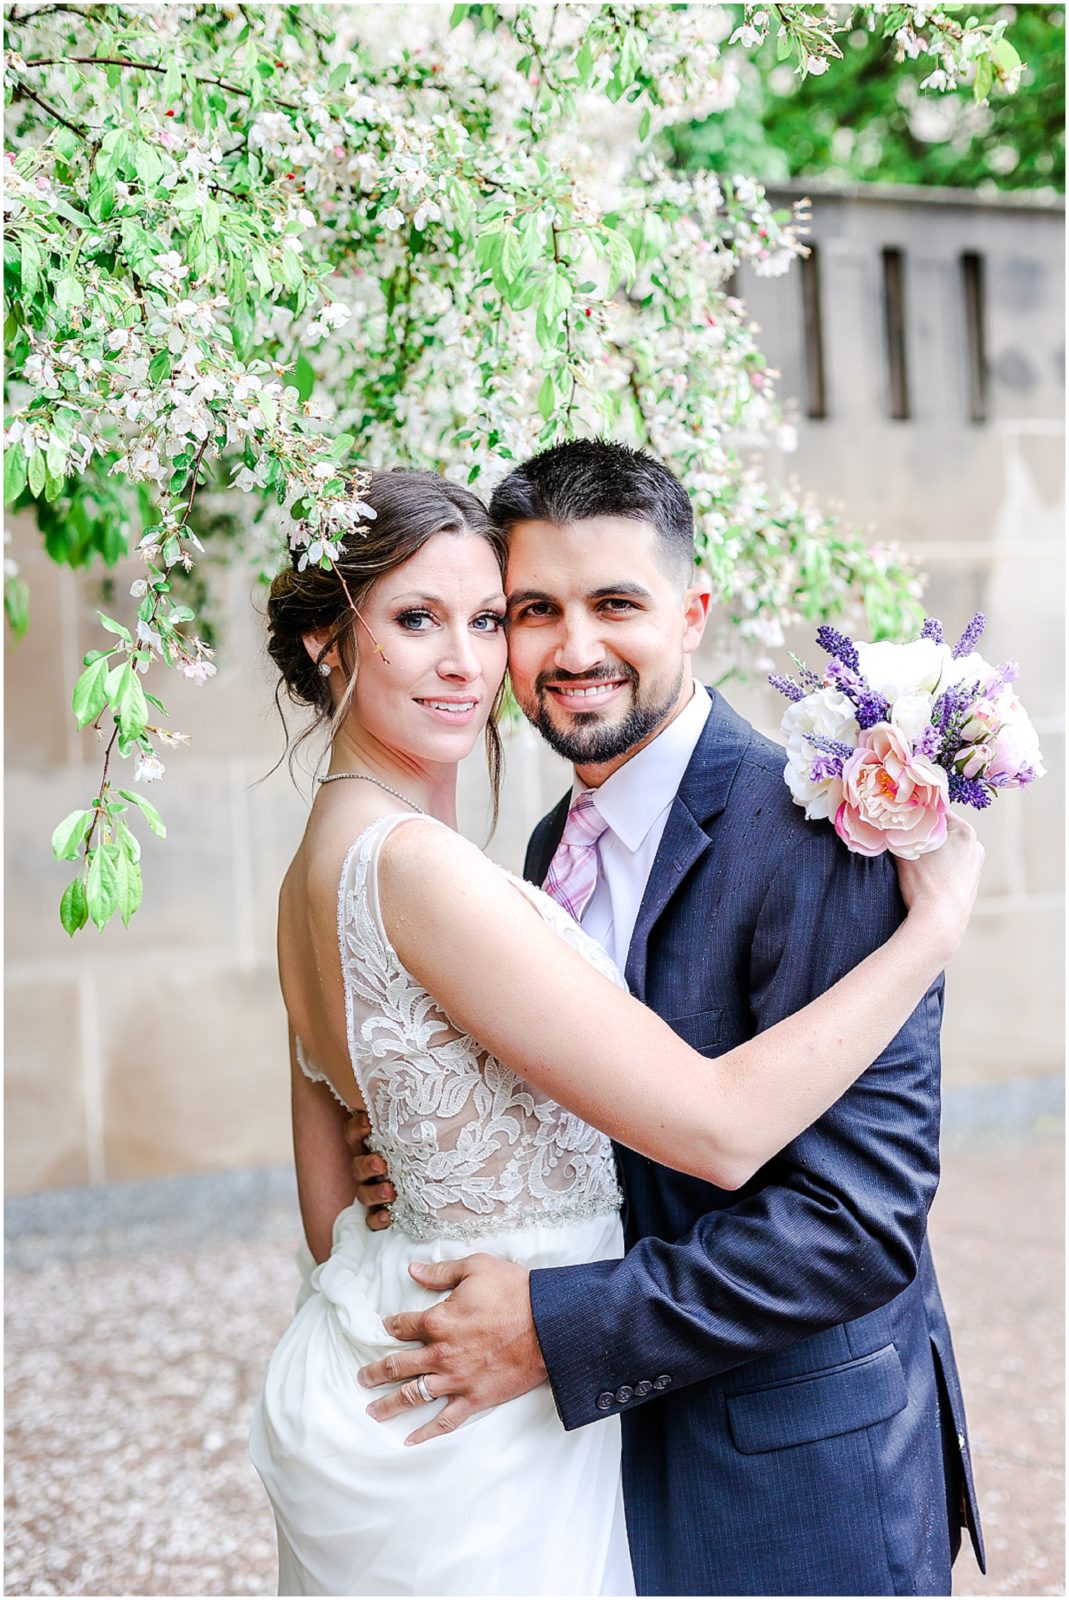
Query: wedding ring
pixel 421 1385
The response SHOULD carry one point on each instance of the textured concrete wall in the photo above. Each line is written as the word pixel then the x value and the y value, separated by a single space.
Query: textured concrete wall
pixel 162 1049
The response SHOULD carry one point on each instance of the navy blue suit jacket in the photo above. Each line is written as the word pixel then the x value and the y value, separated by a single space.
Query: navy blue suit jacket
pixel 780 1357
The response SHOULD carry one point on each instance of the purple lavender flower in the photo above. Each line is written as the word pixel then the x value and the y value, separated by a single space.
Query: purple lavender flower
pixel 1009 672
pixel 839 646
pixel 826 767
pixel 933 630
pixel 786 686
pixel 871 708
pixel 929 741
pixel 969 791
pixel 971 637
pixel 831 747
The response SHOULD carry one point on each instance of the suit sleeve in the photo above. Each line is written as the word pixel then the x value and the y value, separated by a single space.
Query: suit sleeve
pixel 832 1227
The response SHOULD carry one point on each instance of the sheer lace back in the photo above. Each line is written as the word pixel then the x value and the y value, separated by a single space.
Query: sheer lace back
pixel 470 1147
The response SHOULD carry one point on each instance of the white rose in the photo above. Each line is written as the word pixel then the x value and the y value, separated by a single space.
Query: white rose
pixel 911 714
pixel 894 670
pixel 828 713
pixel 970 669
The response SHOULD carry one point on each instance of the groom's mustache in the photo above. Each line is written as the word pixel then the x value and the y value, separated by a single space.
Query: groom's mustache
pixel 603 674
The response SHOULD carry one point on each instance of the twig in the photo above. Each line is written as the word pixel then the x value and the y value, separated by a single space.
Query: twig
pixel 24 89
pixel 149 66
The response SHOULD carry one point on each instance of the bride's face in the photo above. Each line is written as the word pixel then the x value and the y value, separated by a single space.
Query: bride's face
pixel 440 620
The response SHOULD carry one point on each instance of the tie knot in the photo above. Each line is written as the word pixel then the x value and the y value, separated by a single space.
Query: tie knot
pixel 585 823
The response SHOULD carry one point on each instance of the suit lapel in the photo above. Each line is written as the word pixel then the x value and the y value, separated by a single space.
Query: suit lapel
pixel 701 797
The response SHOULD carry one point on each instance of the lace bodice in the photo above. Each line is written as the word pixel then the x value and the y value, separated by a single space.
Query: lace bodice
pixel 471 1148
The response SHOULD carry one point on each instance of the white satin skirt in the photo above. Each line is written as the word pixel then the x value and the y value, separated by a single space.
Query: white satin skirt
pixel 508 1504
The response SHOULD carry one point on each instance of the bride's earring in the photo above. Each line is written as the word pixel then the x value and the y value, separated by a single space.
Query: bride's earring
pixel 324 670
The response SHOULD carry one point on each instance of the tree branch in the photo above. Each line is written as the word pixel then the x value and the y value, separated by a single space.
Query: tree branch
pixel 148 66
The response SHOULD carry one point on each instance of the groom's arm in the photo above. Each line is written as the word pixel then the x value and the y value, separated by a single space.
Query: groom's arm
pixel 837 1225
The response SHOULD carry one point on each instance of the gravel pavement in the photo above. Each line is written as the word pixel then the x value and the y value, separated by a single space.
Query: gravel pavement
pixel 140 1320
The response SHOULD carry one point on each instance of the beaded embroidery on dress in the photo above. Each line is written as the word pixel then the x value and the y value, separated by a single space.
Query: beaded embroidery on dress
pixel 470 1147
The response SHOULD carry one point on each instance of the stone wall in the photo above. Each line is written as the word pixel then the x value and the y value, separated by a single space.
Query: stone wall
pixel 161 1049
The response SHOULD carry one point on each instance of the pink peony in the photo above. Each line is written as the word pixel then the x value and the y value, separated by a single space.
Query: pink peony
pixel 892 799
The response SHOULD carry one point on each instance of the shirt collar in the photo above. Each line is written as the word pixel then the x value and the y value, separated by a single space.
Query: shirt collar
pixel 637 793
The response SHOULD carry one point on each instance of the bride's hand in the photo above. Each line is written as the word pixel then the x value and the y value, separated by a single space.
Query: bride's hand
pixel 940 888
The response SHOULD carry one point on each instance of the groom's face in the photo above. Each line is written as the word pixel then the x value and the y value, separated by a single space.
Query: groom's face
pixel 601 629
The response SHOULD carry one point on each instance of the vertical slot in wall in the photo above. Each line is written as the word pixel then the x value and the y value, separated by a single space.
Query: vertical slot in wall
pixel 894 303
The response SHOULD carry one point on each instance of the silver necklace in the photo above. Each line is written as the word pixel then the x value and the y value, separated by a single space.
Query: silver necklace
pixel 365 777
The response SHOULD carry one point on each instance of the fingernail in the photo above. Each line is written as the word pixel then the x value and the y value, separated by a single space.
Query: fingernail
pixel 385 1192
pixel 388 1324
pixel 361 1379
pixel 372 1413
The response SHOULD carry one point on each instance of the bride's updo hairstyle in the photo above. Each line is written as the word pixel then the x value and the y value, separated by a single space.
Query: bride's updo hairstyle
pixel 410 509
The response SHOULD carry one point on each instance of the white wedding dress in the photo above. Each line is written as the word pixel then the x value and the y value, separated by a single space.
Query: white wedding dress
pixel 509 1503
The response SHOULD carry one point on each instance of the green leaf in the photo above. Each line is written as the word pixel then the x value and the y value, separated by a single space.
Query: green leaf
pixel 511 259
pixel 339 77
pixel 102 885
pixel 558 295
pixel 148 163
pixel 68 835
pixel 262 269
pixel 210 218
pixel 69 292
pixel 89 699
pixel 984 81
pixel 172 85
pixel 148 810
pixel 74 908
pixel 1005 56
pixel 630 59
pixel 584 63
pixel 547 397
pixel 14 472
pixel 32 264
pixel 128 698
pixel 644 126
pixel 128 887
pixel 341 446
pixel 114 627
pixel 159 368
pixel 36 472
pixel 303 377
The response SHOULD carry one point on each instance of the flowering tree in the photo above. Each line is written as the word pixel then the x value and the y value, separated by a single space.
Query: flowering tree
pixel 254 249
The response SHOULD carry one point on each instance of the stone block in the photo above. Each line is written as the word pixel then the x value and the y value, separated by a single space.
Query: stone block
pixel 206 1085
pixel 1041 811
pixel 1004 996
pixel 275 813
pixel 38 676
pixel 44 1100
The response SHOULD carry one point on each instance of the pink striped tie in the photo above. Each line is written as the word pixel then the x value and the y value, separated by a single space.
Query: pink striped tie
pixel 573 872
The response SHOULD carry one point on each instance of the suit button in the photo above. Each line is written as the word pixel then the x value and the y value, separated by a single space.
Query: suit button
pixel 624 1394
pixel 644 1388
pixel 663 1382
pixel 606 1401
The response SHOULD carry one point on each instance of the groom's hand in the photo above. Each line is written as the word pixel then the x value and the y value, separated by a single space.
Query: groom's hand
pixel 479 1347
pixel 373 1187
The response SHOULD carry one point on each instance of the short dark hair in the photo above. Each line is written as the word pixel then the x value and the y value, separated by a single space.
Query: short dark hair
pixel 586 478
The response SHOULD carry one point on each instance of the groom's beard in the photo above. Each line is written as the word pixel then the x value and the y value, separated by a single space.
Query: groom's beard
pixel 590 737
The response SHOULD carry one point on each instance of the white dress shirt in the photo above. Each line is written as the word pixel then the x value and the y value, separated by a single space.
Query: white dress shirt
pixel 635 802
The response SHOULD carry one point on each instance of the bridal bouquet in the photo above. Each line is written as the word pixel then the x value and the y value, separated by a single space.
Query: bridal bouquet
pixel 893 733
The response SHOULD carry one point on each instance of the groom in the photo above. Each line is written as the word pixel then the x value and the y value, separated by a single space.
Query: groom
pixel 779 1355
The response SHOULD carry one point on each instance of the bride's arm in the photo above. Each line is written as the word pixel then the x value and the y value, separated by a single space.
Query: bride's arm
pixel 503 976
pixel 325 1184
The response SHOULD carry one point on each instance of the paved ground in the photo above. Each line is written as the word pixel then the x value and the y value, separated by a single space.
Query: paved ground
pixel 135 1349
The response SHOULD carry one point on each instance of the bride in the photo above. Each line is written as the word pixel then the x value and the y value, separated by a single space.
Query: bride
pixel 494 1047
